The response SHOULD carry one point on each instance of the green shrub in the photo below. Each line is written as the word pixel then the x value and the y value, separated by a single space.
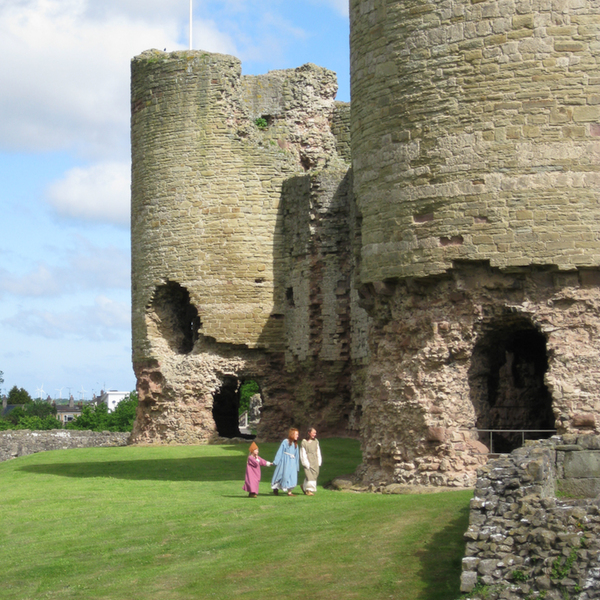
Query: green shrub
pixel 518 575
pixel 38 423
pixel 261 123
pixel 35 414
pixel 97 418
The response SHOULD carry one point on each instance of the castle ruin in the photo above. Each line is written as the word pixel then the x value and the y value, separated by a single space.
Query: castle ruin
pixel 415 271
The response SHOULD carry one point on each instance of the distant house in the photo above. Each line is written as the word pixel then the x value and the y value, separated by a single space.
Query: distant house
pixel 8 408
pixel 66 413
pixel 112 398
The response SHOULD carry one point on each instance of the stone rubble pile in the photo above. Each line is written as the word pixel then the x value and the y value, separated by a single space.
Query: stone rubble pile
pixel 528 537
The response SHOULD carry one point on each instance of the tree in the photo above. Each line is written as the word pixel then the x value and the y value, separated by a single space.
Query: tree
pixel 19 396
pixel 247 390
pixel 34 415
pixel 92 418
pixel 40 408
pixel 97 418
pixel 1 377
pixel 15 415
pixel 123 416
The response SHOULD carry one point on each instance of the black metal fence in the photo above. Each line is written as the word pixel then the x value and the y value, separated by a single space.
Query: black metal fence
pixel 513 436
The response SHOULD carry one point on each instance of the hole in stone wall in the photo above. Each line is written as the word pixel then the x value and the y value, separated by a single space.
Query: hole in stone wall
pixel 289 296
pixel 178 319
pixel 423 218
pixel 455 240
pixel 306 162
pixel 507 386
pixel 234 398
pixel 251 404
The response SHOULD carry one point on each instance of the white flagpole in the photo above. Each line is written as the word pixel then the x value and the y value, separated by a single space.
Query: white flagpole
pixel 191 24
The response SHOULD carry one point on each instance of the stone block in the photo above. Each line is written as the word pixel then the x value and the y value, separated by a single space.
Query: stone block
pixel 580 488
pixel 584 421
pixel 487 566
pixel 468 580
pixel 584 464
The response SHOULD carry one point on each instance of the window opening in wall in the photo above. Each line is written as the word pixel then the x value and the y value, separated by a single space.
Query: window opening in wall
pixel 289 296
pixel 177 318
pixel 507 385
pixel 237 407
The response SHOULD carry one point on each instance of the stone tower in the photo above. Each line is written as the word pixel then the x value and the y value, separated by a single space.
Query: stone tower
pixel 476 155
pixel 239 191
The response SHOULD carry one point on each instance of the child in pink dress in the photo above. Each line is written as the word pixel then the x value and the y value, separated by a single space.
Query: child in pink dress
pixel 255 462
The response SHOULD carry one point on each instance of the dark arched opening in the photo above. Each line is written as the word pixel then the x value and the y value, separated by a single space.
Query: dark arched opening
pixel 507 385
pixel 177 317
pixel 226 407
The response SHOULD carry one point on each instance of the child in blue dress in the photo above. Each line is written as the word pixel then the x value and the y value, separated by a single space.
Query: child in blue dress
pixel 287 464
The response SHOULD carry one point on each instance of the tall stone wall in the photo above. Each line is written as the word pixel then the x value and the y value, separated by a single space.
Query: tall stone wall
pixel 207 186
pixel 215 267
pixel 447 286
pixel 475 133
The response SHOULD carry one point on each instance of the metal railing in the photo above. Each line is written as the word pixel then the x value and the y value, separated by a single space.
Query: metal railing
pixel 521 431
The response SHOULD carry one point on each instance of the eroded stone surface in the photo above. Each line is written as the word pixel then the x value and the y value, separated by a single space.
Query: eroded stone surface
pixel 22 442
pixel 430 381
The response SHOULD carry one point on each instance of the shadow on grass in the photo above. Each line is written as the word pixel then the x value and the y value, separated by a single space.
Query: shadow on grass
pixel 208 468
pixel 342 456
pixel 441 560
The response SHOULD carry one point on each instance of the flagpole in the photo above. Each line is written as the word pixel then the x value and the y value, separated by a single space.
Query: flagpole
pixel 191 24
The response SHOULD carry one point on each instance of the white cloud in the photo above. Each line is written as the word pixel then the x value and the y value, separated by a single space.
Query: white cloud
pixel 99 193
pixel 106 319
pixel 39 282
pixel 341 6
pixel 68 71
pixel 85 267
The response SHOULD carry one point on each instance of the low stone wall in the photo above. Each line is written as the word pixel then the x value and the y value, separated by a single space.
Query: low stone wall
pixel 22 442
pixel 534 528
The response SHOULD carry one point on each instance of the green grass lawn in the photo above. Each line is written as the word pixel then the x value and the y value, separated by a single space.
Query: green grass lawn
pixel 173 523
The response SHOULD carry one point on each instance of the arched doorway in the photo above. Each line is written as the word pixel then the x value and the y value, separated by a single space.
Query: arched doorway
pixel 506 380
pixel 226 406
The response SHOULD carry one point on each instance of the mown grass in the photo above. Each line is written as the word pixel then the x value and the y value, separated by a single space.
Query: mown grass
pixel 173 523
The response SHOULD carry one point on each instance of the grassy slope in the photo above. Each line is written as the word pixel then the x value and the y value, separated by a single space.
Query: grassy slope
pixel 173 523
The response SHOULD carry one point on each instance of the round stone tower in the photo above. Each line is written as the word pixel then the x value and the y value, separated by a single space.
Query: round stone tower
pixel 475 134
pixel 476 156
pixel 219 163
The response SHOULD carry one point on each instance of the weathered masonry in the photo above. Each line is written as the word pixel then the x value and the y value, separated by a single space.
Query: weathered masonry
pixel 534 523
pixel 242 257
pixel 447 285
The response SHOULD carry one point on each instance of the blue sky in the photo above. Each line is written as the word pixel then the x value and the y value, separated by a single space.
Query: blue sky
pixel 64 163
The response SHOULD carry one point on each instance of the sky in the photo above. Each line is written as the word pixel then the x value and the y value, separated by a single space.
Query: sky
pixel 65 326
